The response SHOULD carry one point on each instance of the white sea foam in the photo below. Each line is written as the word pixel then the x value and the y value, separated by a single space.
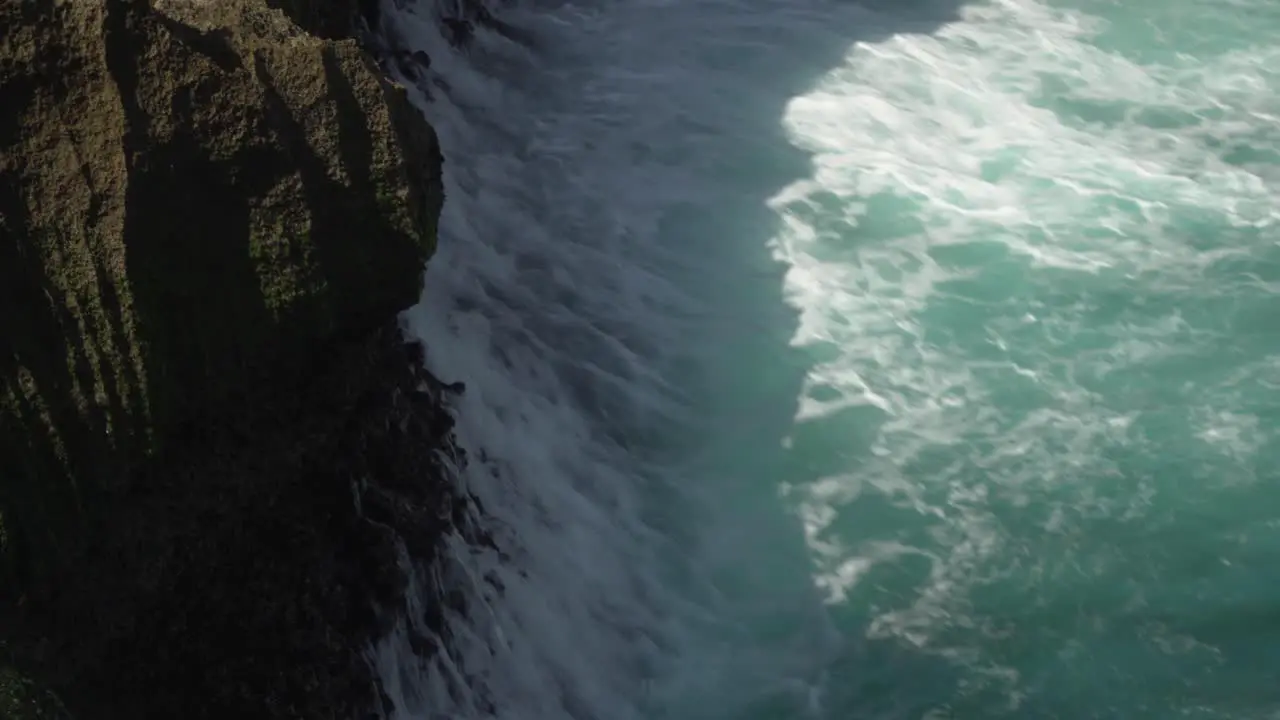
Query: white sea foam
pixel 601 273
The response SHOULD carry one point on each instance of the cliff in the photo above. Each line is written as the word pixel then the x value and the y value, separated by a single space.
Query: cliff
pixel 212 436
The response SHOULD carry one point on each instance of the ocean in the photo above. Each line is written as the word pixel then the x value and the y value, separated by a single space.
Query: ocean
pixel 838 359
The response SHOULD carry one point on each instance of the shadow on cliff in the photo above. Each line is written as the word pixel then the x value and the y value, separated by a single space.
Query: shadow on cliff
pixel 41 502
pixel 187 235
pixel 239 532
pixel 197 277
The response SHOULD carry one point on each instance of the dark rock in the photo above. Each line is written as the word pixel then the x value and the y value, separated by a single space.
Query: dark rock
pixel 458 31
pixel 422 645
pixel 210 215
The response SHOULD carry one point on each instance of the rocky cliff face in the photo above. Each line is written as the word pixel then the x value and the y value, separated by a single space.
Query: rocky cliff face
pixel 212 436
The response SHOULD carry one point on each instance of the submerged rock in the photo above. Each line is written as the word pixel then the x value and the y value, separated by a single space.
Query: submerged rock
pixel 210 215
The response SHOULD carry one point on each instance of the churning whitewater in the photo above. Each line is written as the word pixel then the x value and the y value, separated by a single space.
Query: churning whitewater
pixel 838 359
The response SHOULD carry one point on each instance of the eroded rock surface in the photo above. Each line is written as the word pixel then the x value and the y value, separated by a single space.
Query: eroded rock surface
pixel 212 435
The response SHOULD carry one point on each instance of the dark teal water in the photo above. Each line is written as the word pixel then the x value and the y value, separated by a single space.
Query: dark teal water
pixel 840 360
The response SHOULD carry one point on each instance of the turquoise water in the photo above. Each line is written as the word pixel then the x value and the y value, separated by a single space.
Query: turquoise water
pixel 1038 455
pixel 862 360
